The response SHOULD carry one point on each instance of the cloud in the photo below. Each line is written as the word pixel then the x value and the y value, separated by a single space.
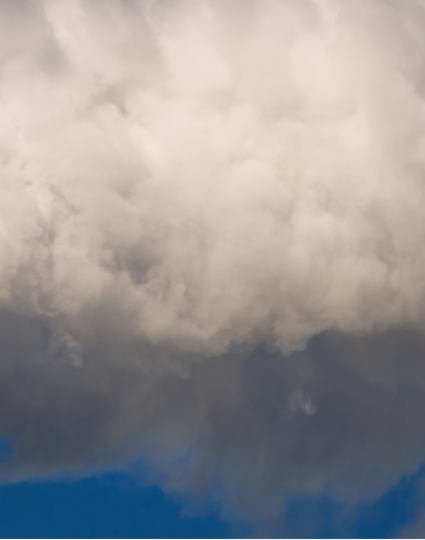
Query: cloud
pixel 228 429
pixel 211 243
pixel 147 151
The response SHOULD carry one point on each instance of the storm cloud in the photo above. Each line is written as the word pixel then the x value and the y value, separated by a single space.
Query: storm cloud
pixel 212 244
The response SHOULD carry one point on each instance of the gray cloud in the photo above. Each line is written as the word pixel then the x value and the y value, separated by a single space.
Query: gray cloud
pixel 211 244
pixel 250 428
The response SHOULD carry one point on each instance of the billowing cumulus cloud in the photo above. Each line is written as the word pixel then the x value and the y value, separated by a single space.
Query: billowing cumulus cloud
pixel 212 242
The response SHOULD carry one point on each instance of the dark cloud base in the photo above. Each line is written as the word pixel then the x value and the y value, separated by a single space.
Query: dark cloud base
pixel 251 428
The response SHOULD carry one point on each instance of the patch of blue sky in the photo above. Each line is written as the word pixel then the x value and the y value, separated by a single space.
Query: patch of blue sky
pixel 110 506
pixel 322 517
pixel 115 505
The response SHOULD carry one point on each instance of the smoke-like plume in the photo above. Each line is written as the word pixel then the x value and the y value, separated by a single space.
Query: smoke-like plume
pixel 190 191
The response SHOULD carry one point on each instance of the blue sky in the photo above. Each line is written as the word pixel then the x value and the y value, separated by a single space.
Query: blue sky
pixel 106 507
pixel 114 505
pixel 383 518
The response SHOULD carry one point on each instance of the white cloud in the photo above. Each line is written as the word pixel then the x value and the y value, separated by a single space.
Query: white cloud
pixel 233 173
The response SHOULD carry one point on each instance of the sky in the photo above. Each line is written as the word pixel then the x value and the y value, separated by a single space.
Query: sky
pixel 212 268
pixel 116 506
pixel 106 507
